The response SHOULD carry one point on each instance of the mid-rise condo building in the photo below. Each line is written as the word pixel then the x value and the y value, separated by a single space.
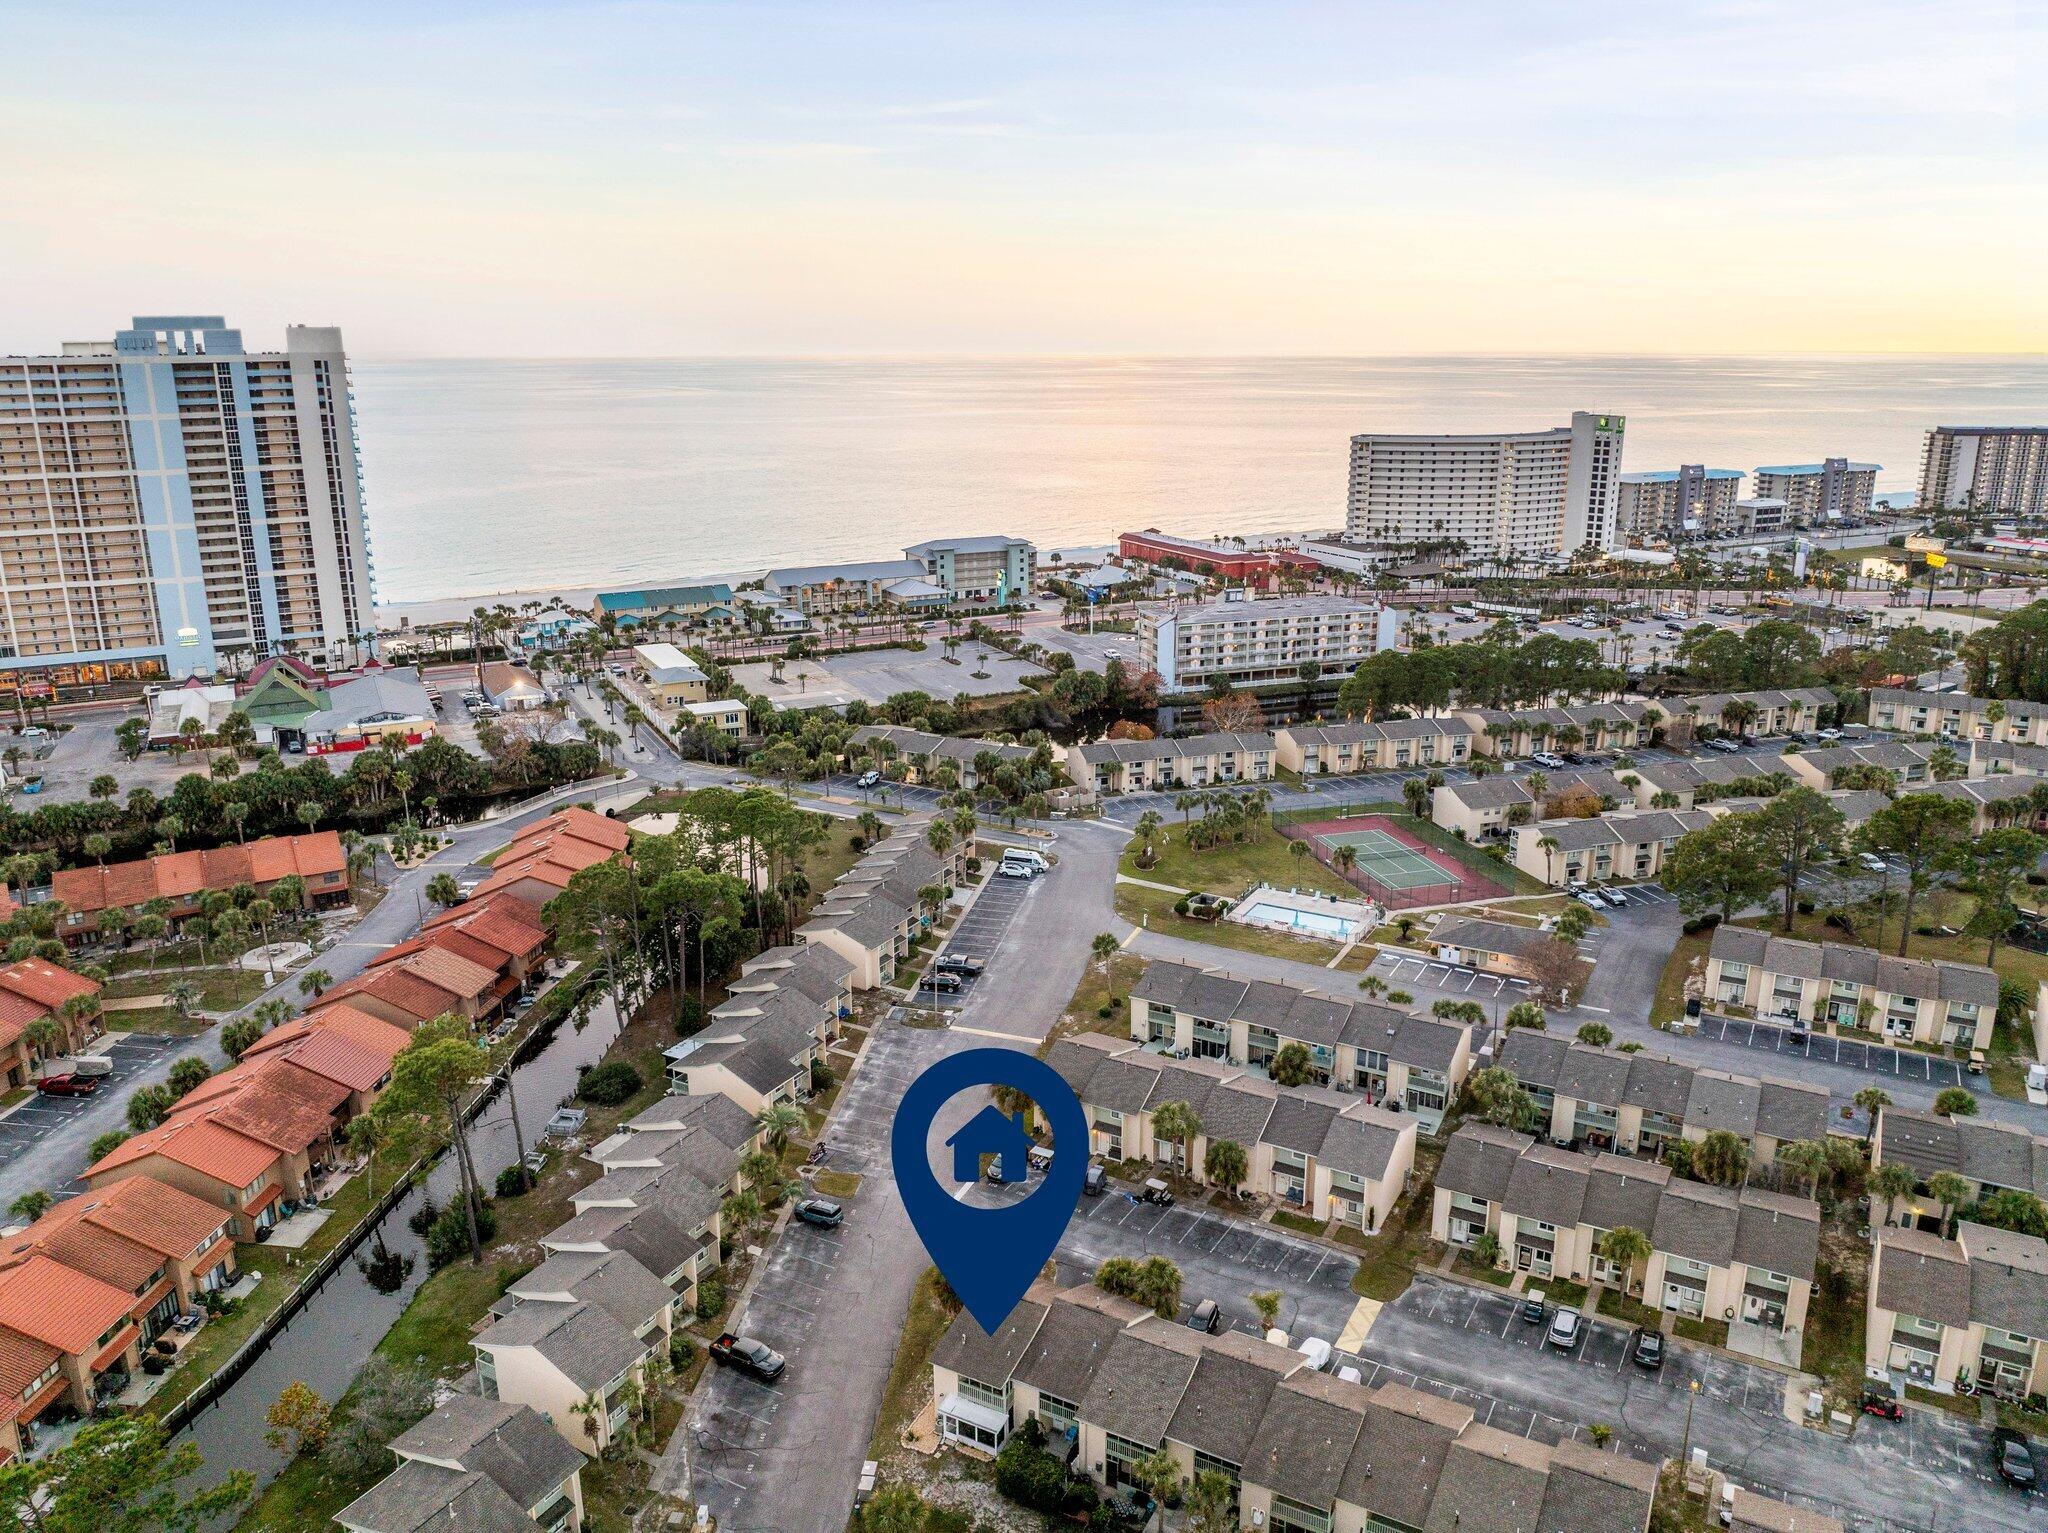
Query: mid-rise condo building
pixel 1251 641
pixel 172 504
pixel 1985 468
pixel 1519 494
pixel 1819 492
pixel 1689 499
pixel 990 569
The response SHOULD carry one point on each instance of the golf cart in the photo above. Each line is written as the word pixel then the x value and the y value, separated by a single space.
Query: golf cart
pixel 1156 1191
pixel 1882 1395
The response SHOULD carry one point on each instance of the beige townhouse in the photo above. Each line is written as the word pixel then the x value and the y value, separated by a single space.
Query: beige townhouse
pixel 1793 710
pixel 1165 766
pixel 1382 1052
pixel 1637 1104
pixel 1912 764
pixel 1958 716
pixel 1989 1157
pixel 1326 1154
pixel 1511 732
pixel 923 753
pixel 1317 750
pixel 1304 1452
pixel 1975 1308
pixel 1487 808
pixel 1604 848
pixel 1827 984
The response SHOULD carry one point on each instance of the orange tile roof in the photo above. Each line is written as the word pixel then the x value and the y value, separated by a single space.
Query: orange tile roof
pixel 64 1308
pixel 162 1218
pixel 181 875
pixel 411 993
pixel 277 1103
pixel 452 939
pixel 499 907
pixel 336 1057
pixel 23 1360
pixel 86 1248
pixel 451 972
pixel 47 984
pixel 373 1035
pixel 195 1140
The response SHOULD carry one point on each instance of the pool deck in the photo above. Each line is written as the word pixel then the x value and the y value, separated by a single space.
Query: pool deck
pixel 1304 912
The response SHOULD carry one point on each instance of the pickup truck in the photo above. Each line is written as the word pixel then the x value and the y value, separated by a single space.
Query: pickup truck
pixel 749 1356
pixel 68 1085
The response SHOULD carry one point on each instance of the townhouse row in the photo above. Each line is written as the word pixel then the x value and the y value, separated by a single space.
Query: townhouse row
pixel 1958 716
pixel 877 908
pixel 1743 1256
pixel 111 895
pixel 922 752
pixel 45 1011
pixel 1109 1384
pixel 1905 1000
pixel 1309 1148
pixel 1391 1057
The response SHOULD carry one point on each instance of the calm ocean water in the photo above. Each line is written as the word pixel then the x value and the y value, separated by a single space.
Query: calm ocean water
pixel 489 477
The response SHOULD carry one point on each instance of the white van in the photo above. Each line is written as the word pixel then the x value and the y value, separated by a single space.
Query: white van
pixel 1024 857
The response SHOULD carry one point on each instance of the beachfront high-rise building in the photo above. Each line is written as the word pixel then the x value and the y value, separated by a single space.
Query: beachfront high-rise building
pixel 989 569
pixel 1522 494
pixel 172 504
pixel 1819 492
pixel 1692 498
pixel 1985 468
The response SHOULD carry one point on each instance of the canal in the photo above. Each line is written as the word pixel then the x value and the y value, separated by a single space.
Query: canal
pixel 327 1343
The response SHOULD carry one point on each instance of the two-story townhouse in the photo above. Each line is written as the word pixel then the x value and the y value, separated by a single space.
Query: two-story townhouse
pixel 671 1226
pixel 1506 733
pixel 756 1060
pixel 1321 1152
pixel 1639 1103
pixel 1912 764
pixel 1958 716
pixel 1320 750
pixel 1975 1307
pixel 1989 1157
pixel 1791 710
pixel 1907 1000
pixel 473 1463
pixel 568 1362
pixel 1605 848
pixel 32 991
pixel 1163 766
pixel 180 879
pixel 922 752
pixel 1388 1054
pixel 1110 1384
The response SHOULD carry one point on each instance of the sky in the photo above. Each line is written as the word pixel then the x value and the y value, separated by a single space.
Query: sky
pixel 676 179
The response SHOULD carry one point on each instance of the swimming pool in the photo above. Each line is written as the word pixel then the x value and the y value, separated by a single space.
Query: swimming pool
pixel 1260 911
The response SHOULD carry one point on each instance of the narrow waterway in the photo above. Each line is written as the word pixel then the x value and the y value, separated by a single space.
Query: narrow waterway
pixel 328 1341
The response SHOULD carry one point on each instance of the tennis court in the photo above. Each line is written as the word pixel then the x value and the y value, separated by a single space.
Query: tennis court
pixel 1391 864
pixel 1384 859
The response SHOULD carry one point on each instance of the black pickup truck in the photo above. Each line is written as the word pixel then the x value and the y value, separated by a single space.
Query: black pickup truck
pixel 749 1356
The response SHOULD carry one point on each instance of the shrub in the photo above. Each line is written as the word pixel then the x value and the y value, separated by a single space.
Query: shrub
pixel 681 1351
pixel 1180 906
pixel 689 1016
pixel 1804 907
pixel 105 1145
pixel 514 1180
pixel 710 1296
pixel 1102 1010
pixel 823 1077
pixel 448 1236
pixel 1705 923
pixel 609 1084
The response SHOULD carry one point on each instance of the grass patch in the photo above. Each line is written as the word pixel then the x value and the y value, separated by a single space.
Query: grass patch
pixel 1963 1406
pixel 932 1308
pixel 1712 1333
pixel 1562 1292
pixel 1154 908
pixel 1480 1272
pixel 1391 1258
pixel 1669 1003
pixel 1233 868
pixel 836 1184
pixel 1300 1223
pixel 1832 1346
pixel 1616 1305
pixel 1099 986
pixel 2020 1419
pixel 219 989
pixel 1359 959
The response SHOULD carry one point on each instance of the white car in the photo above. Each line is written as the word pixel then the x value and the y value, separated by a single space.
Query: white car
pixel 1723 744
pixel 1546 759
pixel 1589 899
pixel 1873 862
pixel 1828 734
pixel 1614 897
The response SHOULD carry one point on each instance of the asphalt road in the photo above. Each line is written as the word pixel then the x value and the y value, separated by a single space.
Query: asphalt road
pixel 786 1458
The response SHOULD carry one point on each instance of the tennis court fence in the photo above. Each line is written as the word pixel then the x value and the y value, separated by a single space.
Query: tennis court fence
pixel 1390 892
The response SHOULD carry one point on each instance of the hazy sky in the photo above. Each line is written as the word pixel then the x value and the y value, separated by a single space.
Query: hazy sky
pixel 664 179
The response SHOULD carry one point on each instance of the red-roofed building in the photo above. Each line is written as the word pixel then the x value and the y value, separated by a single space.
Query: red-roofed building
pixel 87 1322
pixel 34 989
pixel 243 1175
pixel 341 1043
pixel 539 862
pixel 1258 564
pixel 396 994
pixel 182 878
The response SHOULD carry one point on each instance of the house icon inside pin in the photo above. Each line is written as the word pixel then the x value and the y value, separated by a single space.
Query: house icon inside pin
pixel 988 1132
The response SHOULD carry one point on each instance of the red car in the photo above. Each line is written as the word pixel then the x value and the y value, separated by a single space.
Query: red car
pixel 68 1085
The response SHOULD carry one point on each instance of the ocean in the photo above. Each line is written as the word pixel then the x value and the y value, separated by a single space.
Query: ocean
pixel 492 477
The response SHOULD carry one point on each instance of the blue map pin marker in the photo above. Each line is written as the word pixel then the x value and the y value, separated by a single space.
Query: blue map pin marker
pixel 989 1255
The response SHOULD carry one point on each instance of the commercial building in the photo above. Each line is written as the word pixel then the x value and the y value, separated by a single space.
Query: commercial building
pixel 1974 1307
pixel 1516 494
pixel 389 706
pixel 174 504
pixel 1693 499
pixel 1820 492
pixel 991 569
pixel 1305 1452
pixel 818 588
pixel 1912 1000
pixel 1985 468
pixel 1225 561
pixel 1246 641
pixel 673 678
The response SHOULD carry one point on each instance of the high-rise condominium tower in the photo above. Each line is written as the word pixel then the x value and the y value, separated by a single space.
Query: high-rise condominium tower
pixel 1985 468
pixel 171 504
pixel 1522 494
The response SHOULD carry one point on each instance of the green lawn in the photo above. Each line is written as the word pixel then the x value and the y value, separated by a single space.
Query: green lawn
pixel 1562 1292
pixel 1233 869
pixel 1154 908
pixel 1617 1305
pixel 932 1308
pixel 220 989
pixel 1302 1224
pixel 1389 1259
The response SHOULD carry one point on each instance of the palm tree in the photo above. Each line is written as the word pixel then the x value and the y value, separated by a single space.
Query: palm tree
pixel 1177 1123
pixel 1868 1101
pixel 1951 1192
pixel 1548 846
pixel 1627 1249
pixel 778 1120
pixel 1104 947
pixel 313 981
pixel 1891 1182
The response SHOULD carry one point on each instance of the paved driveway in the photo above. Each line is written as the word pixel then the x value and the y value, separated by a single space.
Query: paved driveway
pixel 1849 1053
pixel 895 794
pixel 38 1117
pixel 978 936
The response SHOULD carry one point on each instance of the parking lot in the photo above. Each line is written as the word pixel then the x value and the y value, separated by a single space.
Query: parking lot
pixel 1852 1053
pixel 978 934
pixel 895 794
pixel 131 1053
